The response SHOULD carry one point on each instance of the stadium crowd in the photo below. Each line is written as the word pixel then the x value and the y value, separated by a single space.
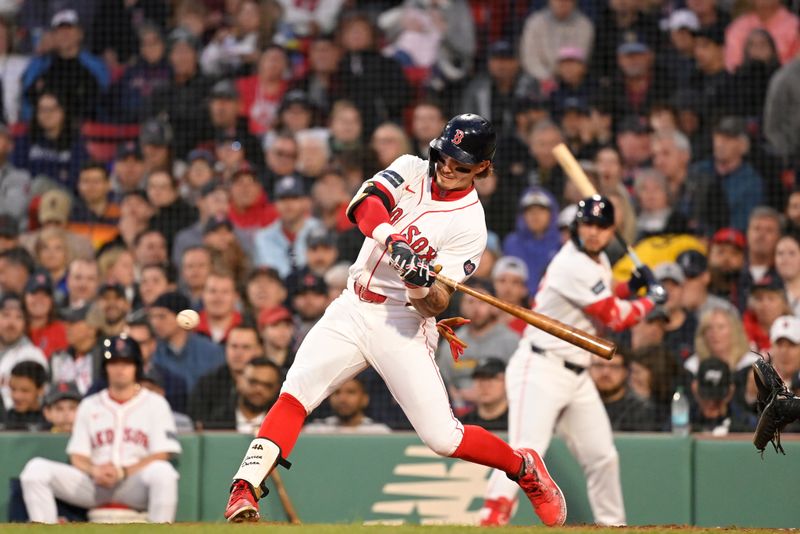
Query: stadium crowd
pixel 161 155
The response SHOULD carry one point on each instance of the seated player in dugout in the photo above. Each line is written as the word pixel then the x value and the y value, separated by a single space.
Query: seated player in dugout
pixel 412 214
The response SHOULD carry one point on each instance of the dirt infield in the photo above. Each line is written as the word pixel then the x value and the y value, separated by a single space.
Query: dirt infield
pixel 278 528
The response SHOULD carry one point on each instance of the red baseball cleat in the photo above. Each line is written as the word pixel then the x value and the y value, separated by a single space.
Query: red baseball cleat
pixel 242 504
pixel 496 512
pixel 545 495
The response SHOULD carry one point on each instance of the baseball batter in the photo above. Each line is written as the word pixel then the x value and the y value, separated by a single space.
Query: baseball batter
pixel 546 378
pixel 412 213
pixel 120 443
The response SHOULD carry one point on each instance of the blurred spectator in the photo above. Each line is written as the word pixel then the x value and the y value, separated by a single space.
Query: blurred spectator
pixel 127 170
pixel 73 74
pixel 179 100
pixel 220 237
pixel 550 29
pixel 214 201
pixel 510 282
pixel 331 197
pixel 763 232
pixel 55 207
pixel 80 361
pixel 545 170
pixel 117 24
pixel 186 354
pixel 157 141
pixel 60 406
pixel 319 83
pixel 765 303
pixel 173 214
pixel 634 145
pixel 53 255
pixel 695 296
pixel 785 353
pixel 787 265
pixel 113 308
pixel 720 334
pixel 713 391
pixel 262 92
pixel 220 300
pixel 44 329
pixel 336 279
pixel 135 212
pixel 52 147
pixel 16 266
pixel 680 325
pixel 725 263
pixel 651 331
pixel 639 81
pixel 264 291
pixel 656 215
pixel 389 142
pixel 149 72
pixel 654 374
pixel 277 331
pixel 710 79
pixel 741 184
pixel 223 108
pixel 302 20
pixel 536 239
pixel 250 208
pixel 792 212
pixel 375 83
pixel 280 155
pixel 770 15
pixel 83 279
pixel 11 79
pixel 214 389
pixel 309 299
pixel 14 182
pixel 626 411
pixel 491 404
pixel 709 13
pixel 679 57
pixel 15 346
pixel 27 382
pixel 782 129
pixel 154 381
pixel 346 130
pixel 94 215
pixel 348 402
pixel 229 154
pixel 282 244
pixel 321 253
pixel 116 266
pixel 195 265
pixel 9 233
pixel 616 22
pixel 571 76
pixel 485 336
pixel 751 78
pixel 234 48
pixel 295 113
pixel 492 94
pixel 427 122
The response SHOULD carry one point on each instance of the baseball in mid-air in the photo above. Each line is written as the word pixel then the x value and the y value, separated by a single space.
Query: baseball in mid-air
pixel 188 319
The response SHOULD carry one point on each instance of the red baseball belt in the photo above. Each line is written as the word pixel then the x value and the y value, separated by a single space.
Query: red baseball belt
pixel 368 296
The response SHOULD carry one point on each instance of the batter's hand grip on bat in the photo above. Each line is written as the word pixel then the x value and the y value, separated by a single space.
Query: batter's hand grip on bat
pixel 570 334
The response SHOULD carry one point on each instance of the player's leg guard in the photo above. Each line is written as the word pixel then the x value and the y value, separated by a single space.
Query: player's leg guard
pixel 261 458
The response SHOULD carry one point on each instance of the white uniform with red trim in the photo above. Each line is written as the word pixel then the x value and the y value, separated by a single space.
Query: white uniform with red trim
pixel 122 434
pixel 371 323
pixel 548 387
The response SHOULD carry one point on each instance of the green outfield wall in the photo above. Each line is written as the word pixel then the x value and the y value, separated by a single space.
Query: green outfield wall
pixel 396 479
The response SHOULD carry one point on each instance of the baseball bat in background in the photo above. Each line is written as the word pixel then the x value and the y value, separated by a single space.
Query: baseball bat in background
pixel 286 501
pixel 570 334
pixel 575 173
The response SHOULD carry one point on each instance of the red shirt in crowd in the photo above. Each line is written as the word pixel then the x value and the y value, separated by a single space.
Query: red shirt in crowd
pixel 51 338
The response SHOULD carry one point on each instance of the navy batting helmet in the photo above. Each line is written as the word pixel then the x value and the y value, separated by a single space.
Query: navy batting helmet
pixel 597 210
pixel 466 138
pixel 122 347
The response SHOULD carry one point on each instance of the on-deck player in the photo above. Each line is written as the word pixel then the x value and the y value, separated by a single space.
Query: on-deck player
pixel 546 378
pixel 121 441
pixel 412 213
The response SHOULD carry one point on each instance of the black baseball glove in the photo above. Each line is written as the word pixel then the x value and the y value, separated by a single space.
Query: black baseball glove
pixel 412 269
pixel 776 404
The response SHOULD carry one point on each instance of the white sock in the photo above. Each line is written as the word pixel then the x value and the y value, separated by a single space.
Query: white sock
pixel 261 457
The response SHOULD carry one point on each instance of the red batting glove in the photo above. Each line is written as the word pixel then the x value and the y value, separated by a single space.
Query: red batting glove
pixel 445 328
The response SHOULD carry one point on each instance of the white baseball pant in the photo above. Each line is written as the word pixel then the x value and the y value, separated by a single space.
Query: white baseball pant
pixel 544 395
pixel 154 488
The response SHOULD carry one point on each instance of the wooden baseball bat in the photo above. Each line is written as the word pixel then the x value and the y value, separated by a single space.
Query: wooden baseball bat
pixel 570 334
pixel 286 501
pixel 575 173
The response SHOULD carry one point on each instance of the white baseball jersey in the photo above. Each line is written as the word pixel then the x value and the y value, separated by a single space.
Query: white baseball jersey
pixel 123 433
pixel 576 290
pixel 449 230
